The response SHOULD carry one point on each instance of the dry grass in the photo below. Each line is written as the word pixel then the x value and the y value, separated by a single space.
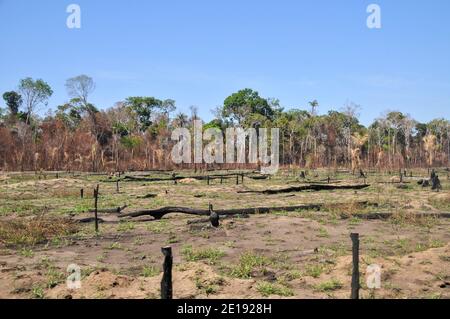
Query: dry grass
pixel 32 231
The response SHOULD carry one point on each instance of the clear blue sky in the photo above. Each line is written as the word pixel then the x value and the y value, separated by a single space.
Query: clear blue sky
pixel 198 52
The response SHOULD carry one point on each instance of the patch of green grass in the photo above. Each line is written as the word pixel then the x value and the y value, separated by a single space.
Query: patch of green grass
pixel 323 233
pixel 26 252
pixel 248 262
pixel 126 226
pixel 54 277
pixel 212 255
pixel 173 239
pixel 314 271
pixel 37 292
pixel 293 274
pixel 81 208
pixel 158 227
pixel 150 271
pixel 268 289
pixel 328 286
pixel 209 287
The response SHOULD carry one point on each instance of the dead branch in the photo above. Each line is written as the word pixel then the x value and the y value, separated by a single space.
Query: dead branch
pixel 116 210
pixel 161 212
pixel 313 187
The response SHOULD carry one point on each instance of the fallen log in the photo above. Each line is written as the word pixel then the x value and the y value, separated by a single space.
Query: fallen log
pixel 261 177
pixel 116 210
pixel 313 187
pixel 381 215
pixel 89 220
pixel 161 212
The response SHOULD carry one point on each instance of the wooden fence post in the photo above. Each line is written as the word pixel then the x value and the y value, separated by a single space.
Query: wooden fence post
pixel 96 208
pixel 166 282
pixel 117 187
pixel 355 273
pixel 237 179
pixel 82 193
pixel 207 179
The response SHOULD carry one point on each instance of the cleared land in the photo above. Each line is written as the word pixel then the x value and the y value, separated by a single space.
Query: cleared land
pixel 300 254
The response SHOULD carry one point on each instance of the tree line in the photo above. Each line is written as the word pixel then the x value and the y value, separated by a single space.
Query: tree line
pixel 135 134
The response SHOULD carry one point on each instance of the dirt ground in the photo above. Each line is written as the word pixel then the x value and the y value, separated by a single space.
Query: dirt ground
pixel 304 254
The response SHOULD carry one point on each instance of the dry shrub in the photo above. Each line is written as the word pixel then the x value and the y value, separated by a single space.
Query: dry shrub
pixel 442 203
pixel 29 232
pixel 410 218
pixel 345 209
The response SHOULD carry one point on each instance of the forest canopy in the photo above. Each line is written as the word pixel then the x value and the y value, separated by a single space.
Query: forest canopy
pixel 135 134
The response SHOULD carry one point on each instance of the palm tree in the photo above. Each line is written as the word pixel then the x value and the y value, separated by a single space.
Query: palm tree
pixel 181 120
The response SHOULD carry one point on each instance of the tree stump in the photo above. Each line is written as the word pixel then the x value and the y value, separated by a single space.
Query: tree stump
pixel 436 183
pixel 355 272
pixel 166 282
pixel 213 217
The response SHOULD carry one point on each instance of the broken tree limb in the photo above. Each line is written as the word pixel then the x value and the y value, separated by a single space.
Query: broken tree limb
pixel 313 187
pixel 89 220
pixel 161 212
pixel 381 215
pixel 116 210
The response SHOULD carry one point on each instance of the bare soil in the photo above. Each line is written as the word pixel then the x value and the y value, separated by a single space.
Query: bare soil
pixel 278 255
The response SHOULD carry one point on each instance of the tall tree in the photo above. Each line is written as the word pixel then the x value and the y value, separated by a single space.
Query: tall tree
pixel 143 108
pixel 34 93
pixel 13 101
pixel 80 87
pixel 239 106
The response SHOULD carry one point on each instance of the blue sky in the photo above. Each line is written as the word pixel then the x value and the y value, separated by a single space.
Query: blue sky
pixel 197 52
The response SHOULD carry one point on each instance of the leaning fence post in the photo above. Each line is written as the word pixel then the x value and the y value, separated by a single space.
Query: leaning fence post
pixel 355 273
pixel 96 208
pixel 166 282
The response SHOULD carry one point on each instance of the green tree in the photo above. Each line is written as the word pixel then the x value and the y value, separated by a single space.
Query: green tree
pixel 13 102
pixel 239 106
pixel 143 108
pixel 34 93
